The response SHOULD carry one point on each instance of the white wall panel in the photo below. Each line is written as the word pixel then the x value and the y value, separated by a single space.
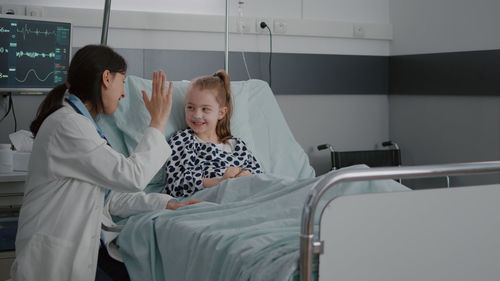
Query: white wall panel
pixel 200 41
pixel 374 11
pixel 348 122
pixel 434 26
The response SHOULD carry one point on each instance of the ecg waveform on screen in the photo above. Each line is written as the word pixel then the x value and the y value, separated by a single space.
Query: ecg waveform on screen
pixel 36 76
pixel 27 31
pixel 34 55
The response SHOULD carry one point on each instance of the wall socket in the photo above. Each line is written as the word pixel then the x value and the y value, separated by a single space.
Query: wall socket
pixel 21 10
pixel 260 30
pixel 243 25
pixel 280 27
pixel 35 11
pixel 13 9
pixel 358 31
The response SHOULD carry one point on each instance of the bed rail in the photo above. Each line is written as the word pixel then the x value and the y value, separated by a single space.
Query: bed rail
pixel 309 247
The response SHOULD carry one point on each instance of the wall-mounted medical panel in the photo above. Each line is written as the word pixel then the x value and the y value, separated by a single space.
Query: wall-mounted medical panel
pixel 216 23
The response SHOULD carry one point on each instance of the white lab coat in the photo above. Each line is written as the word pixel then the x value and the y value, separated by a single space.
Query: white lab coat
pixel 70 168
pixel 127 204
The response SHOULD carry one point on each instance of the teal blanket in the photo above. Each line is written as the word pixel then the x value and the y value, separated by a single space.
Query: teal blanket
pixel 246 229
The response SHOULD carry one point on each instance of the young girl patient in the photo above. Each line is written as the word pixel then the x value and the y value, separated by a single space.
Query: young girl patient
pixel 206 153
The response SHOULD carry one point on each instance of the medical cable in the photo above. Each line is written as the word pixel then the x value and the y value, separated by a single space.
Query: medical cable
pixel 264 25
pixel 11 107
pixel 240 16
pixel 13 113
pixel 245 63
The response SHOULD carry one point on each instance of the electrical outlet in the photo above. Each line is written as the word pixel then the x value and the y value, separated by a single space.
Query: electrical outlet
pixel 280 26
pixel 13 9
pixel 34 11
pixel 243 25
pixel 259 29
pixel 358 31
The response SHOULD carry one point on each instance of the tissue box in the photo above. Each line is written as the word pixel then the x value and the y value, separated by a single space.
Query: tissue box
pixel 21 161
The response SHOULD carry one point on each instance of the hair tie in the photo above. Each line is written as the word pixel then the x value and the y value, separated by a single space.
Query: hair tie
pixel 67 84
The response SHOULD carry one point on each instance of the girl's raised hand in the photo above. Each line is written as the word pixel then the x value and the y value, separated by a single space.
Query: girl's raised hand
pixel 160 104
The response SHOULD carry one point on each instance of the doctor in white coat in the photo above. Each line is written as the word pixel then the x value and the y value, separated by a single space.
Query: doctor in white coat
pixel 72 168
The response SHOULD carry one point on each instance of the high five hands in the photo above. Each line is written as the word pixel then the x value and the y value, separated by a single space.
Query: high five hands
pixel 160 104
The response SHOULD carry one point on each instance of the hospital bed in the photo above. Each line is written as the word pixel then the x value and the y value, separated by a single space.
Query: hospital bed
pixel 350 224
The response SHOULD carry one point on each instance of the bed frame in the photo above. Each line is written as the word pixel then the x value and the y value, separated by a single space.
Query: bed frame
pixel 440 234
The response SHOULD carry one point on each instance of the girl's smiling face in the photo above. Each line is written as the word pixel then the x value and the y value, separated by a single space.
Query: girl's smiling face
pixel 203 112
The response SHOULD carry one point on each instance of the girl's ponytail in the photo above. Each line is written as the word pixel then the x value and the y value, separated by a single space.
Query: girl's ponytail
pixel 223 128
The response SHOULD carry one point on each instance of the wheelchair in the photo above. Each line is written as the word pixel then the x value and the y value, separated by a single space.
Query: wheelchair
pixel 389 156
pixel 372 158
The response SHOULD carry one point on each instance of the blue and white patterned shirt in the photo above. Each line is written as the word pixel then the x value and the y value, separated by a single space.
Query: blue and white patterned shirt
pixel 193 159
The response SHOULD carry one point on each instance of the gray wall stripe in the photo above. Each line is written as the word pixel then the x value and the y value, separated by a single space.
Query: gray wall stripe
pixel 293 74
pixel 459 73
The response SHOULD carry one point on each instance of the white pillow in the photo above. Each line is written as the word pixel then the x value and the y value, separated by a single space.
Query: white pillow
pixel 256 119
pixel 133 125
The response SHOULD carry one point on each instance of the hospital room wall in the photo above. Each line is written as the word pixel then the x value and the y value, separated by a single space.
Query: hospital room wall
pixel 316 112
pixel 444 97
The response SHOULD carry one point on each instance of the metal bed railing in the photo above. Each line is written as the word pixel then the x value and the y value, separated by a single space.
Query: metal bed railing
pixel 309 247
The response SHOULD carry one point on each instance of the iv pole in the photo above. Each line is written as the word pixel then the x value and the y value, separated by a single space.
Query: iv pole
pixel 226 51
pixel 105 26
pixel 105 23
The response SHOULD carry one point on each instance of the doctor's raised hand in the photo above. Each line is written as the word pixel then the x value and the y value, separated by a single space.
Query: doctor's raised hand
pixel 160 104
pixel 159 107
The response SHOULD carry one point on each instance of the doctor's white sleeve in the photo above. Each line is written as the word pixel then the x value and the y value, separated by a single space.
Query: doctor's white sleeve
pixel 127 204
pixel 77 151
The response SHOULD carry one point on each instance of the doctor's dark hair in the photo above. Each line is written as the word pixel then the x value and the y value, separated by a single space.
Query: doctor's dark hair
pixel 221 83
pixel 84 80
